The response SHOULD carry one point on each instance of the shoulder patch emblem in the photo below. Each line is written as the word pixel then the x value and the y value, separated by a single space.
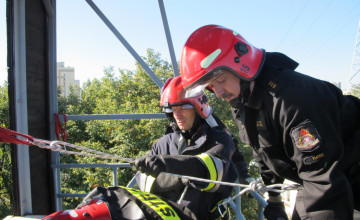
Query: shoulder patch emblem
pixel 306 140
pixel 305 136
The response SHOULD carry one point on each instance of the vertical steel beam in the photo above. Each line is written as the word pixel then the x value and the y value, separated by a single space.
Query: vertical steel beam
pixel 50 6
pixel 115 176
pixel 20 101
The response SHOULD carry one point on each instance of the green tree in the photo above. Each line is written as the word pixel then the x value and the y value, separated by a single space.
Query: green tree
pixel 355 90
pixel 5 158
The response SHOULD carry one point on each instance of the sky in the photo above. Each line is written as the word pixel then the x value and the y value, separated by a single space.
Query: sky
pixel 320 35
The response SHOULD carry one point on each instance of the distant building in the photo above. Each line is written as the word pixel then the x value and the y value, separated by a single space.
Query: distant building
pixel 66 78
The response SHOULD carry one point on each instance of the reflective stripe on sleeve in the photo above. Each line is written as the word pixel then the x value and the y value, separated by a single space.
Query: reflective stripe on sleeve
pixel 215 168
pixel 146 182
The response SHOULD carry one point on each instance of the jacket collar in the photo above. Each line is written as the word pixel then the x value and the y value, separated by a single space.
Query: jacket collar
pixel 200 137
pixel 279 60
pixel 265 80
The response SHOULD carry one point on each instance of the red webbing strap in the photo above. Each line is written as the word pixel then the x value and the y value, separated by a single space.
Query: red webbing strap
pixel 9 136
pixel 61 133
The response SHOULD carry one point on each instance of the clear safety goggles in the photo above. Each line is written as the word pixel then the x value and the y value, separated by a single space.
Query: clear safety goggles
pixel 183 107
pixel 202 83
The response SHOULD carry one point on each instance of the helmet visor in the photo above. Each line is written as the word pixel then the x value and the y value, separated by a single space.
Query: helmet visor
pixel 202 83
pixel 183 107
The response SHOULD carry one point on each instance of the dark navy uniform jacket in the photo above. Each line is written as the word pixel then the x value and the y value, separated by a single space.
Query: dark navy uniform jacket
pixel 212 141
pixel 305 130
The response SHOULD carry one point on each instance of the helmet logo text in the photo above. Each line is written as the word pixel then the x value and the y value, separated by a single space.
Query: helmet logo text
pixel 245 68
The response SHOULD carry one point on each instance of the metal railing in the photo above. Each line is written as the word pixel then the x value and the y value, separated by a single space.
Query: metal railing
pixel 113 166
pixel 56 164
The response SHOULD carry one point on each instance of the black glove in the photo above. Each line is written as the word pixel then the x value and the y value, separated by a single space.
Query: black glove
pixel 150 164
pixel 275 211
pixel 242 170
pixel 166 183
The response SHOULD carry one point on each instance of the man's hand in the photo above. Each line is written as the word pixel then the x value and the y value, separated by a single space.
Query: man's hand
pixel 275 211
pixel 242 170
pixel 150 164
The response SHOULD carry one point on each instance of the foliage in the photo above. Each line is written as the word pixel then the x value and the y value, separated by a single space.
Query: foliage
pixel 5 158
pixel 355 90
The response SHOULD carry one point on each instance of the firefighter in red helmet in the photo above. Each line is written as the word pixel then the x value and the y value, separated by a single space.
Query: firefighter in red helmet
pixel 196 147
pixel 300 128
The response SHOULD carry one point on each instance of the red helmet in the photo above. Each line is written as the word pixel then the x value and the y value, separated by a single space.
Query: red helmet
pixel 213 47
pixel 96 209
pixel 173 93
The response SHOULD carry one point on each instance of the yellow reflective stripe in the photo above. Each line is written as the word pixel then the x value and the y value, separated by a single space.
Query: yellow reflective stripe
pixel 211 167
pixel 145 182
pixel 158 205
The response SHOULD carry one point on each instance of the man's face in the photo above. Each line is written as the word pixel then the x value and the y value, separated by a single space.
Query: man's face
pixel 184 117
pixel 226 85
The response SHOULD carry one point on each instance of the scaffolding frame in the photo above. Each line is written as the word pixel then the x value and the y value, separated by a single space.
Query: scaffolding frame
pixel 56 164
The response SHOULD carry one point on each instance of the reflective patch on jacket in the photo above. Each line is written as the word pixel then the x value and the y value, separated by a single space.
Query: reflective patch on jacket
pixel 305 136
pixel 163 209
pixel 146 182
pixel 215 168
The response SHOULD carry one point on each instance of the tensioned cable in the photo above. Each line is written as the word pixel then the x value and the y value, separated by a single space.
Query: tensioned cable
pixel 308 29
pixel 9 136
pixel 328 52
pixel 253 186
pixel 14 137
pixel 292 25
pixel 333 32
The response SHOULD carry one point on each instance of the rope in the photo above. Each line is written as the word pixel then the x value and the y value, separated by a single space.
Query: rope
pixel 253 186
pixel 10 136
pixel 13 137
pixel 60 146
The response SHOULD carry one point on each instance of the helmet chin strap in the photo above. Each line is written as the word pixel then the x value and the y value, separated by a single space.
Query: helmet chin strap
pixel 243 98
pixel 211 121
pixel 244 91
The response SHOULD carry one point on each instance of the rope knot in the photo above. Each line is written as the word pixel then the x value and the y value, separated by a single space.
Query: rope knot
pixel 257 187
pixel 54 146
